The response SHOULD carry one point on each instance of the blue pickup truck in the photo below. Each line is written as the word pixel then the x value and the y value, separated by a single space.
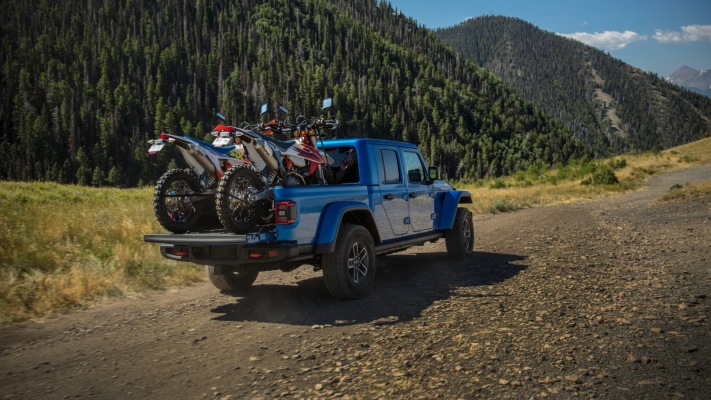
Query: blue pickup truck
pixel 386 200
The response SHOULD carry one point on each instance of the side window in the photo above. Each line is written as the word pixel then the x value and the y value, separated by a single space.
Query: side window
pixel 413 166
pixel 389 166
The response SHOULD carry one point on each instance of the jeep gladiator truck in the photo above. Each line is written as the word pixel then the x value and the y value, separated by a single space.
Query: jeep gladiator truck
pixel 385 200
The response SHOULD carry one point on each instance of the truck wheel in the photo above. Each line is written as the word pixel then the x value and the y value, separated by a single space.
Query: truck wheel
pixel 174 208
pixel 236 213
pixel 460 239
pixel 232 279
pixel 349 272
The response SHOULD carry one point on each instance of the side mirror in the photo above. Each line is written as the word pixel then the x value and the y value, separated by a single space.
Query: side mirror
pixel 434 173
pixel 327 103
pixel 263 109
pixel 283 109
pixel 222 117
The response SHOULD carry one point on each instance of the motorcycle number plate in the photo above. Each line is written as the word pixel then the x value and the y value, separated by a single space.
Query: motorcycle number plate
pixel 222 141
pixel 156 148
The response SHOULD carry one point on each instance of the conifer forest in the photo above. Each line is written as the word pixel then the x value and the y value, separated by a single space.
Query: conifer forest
pixel 85 84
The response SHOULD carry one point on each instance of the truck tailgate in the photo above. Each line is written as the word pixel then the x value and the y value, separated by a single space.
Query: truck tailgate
pixel 224 248
pixel 198 239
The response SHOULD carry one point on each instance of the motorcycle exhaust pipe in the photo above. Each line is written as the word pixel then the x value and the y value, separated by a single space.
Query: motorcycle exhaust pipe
pixel 201 159
pixel 268 158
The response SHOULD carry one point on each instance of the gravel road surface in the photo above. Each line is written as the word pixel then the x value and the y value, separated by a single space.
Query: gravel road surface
pixel 603 299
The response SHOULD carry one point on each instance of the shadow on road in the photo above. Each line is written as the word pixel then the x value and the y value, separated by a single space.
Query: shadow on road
pixel 405 286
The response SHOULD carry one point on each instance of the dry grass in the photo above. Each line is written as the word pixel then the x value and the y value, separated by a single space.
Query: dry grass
pixel 559 186
pixel 687 191
pixel 64 246
pixel 491 201
pixel 67 246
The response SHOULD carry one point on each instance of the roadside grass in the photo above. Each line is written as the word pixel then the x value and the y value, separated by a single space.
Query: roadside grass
pixel 687 191
pixel 581 181
pixel 65 246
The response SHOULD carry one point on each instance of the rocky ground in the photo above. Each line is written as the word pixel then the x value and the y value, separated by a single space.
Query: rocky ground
pixel 603 299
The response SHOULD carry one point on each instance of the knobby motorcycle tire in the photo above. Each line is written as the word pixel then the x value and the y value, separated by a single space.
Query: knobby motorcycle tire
pixel 174 212
pixel 235 212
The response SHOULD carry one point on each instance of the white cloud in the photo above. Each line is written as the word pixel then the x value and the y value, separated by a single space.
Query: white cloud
pixel 608 40
pixel 689 33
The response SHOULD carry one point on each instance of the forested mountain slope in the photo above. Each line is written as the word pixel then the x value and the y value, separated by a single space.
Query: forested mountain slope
pixel 610 105
pixel 86 83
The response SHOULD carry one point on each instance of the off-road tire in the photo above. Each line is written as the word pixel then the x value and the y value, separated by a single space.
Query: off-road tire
pixel 232 279
pixel 460 239
pixel 349 272
pixel 177 214
pixel 236 213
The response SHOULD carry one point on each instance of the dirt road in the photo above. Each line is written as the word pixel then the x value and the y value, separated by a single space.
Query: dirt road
pixel 603 299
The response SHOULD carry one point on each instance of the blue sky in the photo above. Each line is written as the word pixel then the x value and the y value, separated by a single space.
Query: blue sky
pixel 654 35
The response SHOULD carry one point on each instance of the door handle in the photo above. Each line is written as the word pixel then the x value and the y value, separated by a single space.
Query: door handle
pixel 412 195
pixel 389 196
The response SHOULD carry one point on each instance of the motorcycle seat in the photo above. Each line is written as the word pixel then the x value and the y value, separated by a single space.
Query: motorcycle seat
pixel 282 145
pixel 225 151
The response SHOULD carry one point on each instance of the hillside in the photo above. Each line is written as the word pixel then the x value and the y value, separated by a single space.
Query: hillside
pixel 85 86
pixel 610 105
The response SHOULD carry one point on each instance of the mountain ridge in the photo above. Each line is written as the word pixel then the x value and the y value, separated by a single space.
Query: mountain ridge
pixel 612 106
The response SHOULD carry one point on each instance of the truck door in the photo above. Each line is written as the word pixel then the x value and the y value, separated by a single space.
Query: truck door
pixel 393 192
pixel 420 192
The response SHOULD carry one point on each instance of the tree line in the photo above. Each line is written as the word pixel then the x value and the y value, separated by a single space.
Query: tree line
pixel 86 83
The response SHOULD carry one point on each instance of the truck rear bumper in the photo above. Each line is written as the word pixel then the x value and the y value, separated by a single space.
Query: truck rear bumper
pixel 224 248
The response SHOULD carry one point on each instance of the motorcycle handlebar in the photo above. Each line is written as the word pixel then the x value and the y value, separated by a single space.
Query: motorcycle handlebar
pixel 331 123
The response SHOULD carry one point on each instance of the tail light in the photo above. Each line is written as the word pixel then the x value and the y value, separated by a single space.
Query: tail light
pixel 264 254
pixel 179 251
pixel 285 212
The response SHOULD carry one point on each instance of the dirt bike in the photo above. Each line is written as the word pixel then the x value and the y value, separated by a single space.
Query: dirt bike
pixel 183 197
pixel 245 192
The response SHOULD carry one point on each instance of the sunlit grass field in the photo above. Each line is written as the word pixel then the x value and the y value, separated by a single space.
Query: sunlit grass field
pixel 565 185
pixel 64 247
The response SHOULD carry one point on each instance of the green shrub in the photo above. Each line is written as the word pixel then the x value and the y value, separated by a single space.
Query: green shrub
pixel 602 176
pixel 503 205
pixel 497 184
pixel 618 164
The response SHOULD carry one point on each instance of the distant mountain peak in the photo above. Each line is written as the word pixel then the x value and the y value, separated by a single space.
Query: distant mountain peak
pixel 687 77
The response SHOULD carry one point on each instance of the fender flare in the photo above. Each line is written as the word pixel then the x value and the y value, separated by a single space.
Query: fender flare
pixel 330 223
pixel 450 202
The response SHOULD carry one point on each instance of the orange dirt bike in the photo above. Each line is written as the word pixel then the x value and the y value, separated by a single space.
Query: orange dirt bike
pixel 245 192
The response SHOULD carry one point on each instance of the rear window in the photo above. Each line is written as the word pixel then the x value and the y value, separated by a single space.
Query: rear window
pixel 343 162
